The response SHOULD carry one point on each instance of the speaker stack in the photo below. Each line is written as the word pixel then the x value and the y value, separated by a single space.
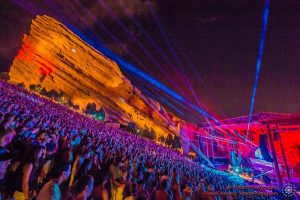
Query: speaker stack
pixel 263 145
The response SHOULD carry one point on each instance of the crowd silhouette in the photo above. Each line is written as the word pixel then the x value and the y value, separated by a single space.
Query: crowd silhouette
pixel 49 151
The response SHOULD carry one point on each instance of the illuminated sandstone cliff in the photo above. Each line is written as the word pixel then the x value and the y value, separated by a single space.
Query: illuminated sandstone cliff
pixel 55 58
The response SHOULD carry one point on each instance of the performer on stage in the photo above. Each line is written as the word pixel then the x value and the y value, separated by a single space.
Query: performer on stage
pixel 236 160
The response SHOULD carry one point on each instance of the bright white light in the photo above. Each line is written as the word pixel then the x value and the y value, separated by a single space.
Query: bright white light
pixel 73 50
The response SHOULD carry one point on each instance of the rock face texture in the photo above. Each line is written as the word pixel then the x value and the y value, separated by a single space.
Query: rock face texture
pixel 55 58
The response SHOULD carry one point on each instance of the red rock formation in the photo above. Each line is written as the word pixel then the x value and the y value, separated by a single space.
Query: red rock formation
pixel 55 58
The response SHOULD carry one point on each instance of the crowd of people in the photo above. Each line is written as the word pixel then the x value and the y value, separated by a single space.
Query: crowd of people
pixel 49 151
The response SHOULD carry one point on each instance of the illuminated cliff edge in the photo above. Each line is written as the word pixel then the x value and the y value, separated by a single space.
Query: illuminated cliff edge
pixel 55 58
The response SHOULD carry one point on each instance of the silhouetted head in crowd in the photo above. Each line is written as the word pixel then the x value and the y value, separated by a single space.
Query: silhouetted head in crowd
pixel 165 183
pixel 5 158
pixel 42 138
pixel 32 154
pixel 83 187
pixel 60 172
pixel 103 178
pixel 84 168
pixel 7 137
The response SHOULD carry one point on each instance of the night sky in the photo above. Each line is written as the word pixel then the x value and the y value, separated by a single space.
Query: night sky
pixel 215 43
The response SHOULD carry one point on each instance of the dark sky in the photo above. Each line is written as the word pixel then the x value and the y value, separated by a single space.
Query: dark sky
pixel 220 39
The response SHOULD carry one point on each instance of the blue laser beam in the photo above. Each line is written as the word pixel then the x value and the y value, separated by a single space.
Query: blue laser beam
pixel 98 45
pixel 164 34
pixel 258 64
pixel 131 68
